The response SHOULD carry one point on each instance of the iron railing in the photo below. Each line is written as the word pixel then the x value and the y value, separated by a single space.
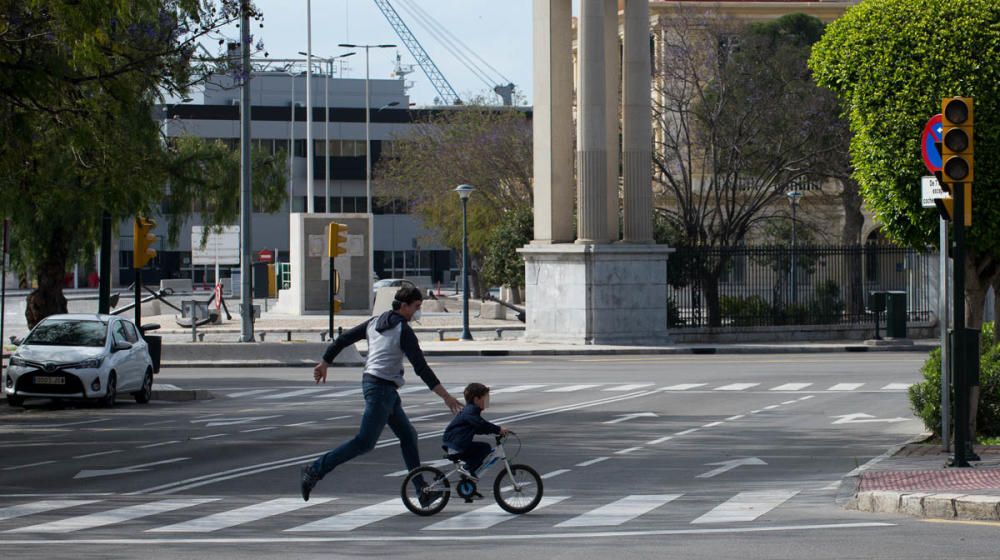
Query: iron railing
pixel 744 286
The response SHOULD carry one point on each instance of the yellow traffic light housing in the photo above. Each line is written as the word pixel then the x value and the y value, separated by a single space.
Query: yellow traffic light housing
pixel 336 239
pixel 142 242
pixel 957 143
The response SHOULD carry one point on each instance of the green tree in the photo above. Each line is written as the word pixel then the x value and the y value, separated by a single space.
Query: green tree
pixel 891 62
pixel 502 265
pixel 78 83
pixel 488 147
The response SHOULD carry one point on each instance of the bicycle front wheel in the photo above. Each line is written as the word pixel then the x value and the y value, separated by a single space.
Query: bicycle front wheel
pixel 520 494
pixel 425 490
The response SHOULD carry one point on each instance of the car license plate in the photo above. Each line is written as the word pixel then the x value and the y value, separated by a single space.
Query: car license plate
pixel 50 380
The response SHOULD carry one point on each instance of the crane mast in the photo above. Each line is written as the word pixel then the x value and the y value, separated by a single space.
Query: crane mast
pixel 444 89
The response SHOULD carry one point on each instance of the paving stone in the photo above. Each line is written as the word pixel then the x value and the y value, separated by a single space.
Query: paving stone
pixel 941 506
pixel 978 507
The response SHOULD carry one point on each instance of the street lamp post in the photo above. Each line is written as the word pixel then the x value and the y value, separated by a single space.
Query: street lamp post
pixel 368 154
pixel 793 198
pixel 291 143
pixel 464 191
pixel 326 124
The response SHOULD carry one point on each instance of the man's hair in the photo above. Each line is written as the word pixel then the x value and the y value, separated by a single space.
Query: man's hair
pixel 475 390
pixel 406 294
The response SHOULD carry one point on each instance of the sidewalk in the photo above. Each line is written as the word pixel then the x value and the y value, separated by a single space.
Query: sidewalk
pixel 912 479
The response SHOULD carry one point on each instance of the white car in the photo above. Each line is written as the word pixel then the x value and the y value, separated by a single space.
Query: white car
pixel 80 357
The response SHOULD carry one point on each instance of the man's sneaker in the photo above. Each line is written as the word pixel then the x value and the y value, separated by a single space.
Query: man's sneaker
pixel 308 481
pixel 428 498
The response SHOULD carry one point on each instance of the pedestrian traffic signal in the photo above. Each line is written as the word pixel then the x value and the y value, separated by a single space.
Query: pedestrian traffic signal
pixel 142 242
pixel 956 140
pixel 336 237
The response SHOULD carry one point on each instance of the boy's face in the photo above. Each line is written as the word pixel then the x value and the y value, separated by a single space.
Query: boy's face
pixel 482 402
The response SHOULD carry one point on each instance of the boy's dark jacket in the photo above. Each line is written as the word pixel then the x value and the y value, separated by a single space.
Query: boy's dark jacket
pixel 458 435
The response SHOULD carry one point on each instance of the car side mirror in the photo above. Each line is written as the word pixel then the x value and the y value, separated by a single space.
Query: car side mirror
pixel 149 327
pixel 121 345
pixel 16 341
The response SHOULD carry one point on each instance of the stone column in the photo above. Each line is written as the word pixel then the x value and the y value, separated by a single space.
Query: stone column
pixel 592 151
pixel 637 126
pixel 553 121
pixel 613 80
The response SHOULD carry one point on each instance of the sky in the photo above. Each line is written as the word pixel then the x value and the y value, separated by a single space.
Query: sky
pixel 499 31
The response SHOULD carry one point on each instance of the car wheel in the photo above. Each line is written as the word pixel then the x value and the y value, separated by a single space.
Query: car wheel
pixel 143 395
pixel 108 400
pixel 15 401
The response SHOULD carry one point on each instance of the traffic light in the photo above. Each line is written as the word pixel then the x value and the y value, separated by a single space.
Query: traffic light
pixel 336 239
pixel 956 140
pixel 142 242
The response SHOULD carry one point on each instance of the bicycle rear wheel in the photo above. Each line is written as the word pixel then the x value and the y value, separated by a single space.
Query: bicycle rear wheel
pixel 520 495
pixel 425 490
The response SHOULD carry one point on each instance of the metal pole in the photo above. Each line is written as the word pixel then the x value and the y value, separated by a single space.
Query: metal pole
pixel 466 334
pixel 104 288
pixel 3 282
pixel 332 294
pixel 291 148
pixel 246 208
pixel 309 147
pixel 794 289
pixel 138 297
pixel 326 128
pixel 960 350
pixel 945 353
pixel 368 177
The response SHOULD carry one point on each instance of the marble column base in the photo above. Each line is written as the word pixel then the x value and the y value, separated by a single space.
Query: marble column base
pixel 596 294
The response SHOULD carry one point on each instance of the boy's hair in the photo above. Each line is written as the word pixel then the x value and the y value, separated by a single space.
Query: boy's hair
pixel 475 390
pixel 406 294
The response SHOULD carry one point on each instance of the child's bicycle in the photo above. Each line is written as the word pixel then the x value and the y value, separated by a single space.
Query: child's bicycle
pixel 517 488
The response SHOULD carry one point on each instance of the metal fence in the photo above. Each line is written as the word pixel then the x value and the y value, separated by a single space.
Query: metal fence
pixel 808 285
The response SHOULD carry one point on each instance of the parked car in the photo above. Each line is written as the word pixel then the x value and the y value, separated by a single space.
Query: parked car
pixel 389 283
pixel 80 357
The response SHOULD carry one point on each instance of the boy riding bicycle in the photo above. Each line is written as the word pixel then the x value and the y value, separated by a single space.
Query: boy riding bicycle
pixel 458 436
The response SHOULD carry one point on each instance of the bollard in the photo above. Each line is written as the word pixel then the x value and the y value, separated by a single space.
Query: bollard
pixel 499 334
pixel 201 337
pixel 441 334
pixel 322 336
pixel 340 331
pixel 261 337
pixel 288 336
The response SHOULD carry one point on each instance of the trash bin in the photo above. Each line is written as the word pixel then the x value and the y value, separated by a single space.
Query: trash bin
pixel 260 280
pixel 155 344
pixel 895 314
pixel 876 302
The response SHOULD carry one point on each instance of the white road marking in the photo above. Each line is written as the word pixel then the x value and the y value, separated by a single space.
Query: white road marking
pixel 247 393
pixel 297 424
pixel 572 388
pixel 626 417
pixel 791 387
pixel 629 387
pixel 29 465
pixel 339 393
pixel 517 389
pixel 290 394
pixel 413 389
pixel 39 507
pixel 240 516
pixel 736 387
pixel 160 444
pixel 111 517
pixel 897 387
pixel 845 387
pixel 438 463
pixel 621 511
pixel 713 424
pixel 356 518
pixel 98 454
pixel 210 436
pixel 160 423
pixel 682 387
pixel 592 462
pixel 264 429
pixel 337 418
pixel 627 451
pixel 686 432
pixel 556 473
pixel 485 517
pixel 428 416
pixel 790 402
pixel 727 466
pixel 746 506
pixel 737 417
pixel 772 407
pixel 658 441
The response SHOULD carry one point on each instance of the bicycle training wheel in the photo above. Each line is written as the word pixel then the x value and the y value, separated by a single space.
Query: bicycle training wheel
pixel 432 495
pixel 527 494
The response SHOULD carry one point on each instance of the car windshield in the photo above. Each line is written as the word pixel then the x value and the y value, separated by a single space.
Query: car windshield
pixel 68 332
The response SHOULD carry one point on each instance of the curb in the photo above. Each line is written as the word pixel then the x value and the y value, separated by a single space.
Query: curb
pixel 172 393
pixel 942 505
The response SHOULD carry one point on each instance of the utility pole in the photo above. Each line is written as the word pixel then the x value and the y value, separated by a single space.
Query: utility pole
pixel 246 206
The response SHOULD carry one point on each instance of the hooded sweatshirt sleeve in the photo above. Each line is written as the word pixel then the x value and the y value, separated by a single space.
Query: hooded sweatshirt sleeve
pixel 411 348
pixel 350 337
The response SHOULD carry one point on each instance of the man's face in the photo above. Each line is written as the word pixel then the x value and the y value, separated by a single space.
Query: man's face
pixel 408 309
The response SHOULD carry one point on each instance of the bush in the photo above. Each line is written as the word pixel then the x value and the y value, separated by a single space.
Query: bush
pixel 673 313
pixel 925 397
pixel 828 306
pixel 746 311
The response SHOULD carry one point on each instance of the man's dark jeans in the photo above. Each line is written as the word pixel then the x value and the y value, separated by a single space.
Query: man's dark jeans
pixel 382 406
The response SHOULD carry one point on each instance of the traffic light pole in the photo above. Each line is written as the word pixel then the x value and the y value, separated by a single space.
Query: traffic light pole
pixel 104 279
pixel 138 297
pixel 960 358
pixel 333 294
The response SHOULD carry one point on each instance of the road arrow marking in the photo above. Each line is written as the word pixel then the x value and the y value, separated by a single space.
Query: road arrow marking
pixel 625 417
pixel 125 470
pixel 862 418
pixel 730 465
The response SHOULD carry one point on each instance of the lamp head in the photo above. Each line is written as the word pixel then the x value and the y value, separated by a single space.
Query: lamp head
pixel 793 196
pixel 464 191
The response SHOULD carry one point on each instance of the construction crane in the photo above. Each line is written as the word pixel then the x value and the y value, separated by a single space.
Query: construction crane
pixel 444 89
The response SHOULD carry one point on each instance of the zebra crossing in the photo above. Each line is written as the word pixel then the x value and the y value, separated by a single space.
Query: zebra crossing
pixel 322 514
pixel 318 393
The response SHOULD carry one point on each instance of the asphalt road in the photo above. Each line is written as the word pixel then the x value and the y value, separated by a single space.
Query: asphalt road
pixel 642 456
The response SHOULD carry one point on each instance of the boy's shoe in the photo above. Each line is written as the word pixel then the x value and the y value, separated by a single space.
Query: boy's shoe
pixel 475 496
pixel 308 481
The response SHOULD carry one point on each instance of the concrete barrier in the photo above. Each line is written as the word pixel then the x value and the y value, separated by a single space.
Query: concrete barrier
pixel 178 285
pixel 492 310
